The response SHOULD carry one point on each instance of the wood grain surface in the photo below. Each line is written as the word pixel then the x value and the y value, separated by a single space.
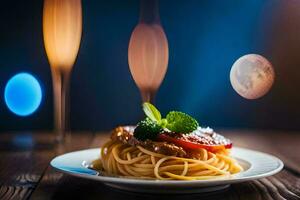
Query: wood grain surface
pixel 25 172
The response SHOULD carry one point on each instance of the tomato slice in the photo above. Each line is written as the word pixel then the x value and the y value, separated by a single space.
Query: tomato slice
pixel 211 141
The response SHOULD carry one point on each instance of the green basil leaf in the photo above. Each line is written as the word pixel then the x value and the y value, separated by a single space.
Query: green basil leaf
pixel 151 112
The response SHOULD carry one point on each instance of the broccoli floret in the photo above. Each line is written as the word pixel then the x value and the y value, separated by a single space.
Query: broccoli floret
pixel 147 129
pixel 180 122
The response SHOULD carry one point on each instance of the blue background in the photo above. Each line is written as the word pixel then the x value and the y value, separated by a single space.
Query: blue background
pixel 205 38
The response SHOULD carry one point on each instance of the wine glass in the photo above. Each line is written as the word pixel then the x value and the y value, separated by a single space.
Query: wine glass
pixel 62 28
pixel 148 51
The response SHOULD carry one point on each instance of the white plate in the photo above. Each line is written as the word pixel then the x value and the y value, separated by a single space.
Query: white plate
pixel 256 165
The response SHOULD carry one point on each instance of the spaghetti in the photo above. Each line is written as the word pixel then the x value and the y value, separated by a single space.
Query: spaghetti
pixel 126 160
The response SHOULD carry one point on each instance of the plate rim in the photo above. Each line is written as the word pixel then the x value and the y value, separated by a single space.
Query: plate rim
pixel 145 182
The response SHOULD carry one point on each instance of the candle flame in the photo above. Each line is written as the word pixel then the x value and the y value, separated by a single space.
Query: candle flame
pixel 148 55
pixel 62 28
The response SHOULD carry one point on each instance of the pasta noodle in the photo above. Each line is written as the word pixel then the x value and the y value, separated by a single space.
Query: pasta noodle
pixel 135 161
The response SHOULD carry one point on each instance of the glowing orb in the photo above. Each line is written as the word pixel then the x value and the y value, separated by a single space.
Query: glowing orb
pixel 252 76
pixel 23 94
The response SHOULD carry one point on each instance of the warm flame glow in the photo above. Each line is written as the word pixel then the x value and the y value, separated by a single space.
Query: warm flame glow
pixel 62 27
pixel 148 56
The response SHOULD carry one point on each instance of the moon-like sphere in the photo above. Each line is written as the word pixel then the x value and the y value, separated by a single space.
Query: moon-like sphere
pixel 23 94
pixel 252 76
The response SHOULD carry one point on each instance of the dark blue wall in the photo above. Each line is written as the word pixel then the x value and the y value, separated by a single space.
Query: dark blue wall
pixel 205 38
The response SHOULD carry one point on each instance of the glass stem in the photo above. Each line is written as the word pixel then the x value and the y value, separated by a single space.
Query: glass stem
pixel 148 96
pixel 149 12
pixel 61 80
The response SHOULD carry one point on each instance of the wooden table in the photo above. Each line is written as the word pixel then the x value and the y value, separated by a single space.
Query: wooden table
pixel 25 172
